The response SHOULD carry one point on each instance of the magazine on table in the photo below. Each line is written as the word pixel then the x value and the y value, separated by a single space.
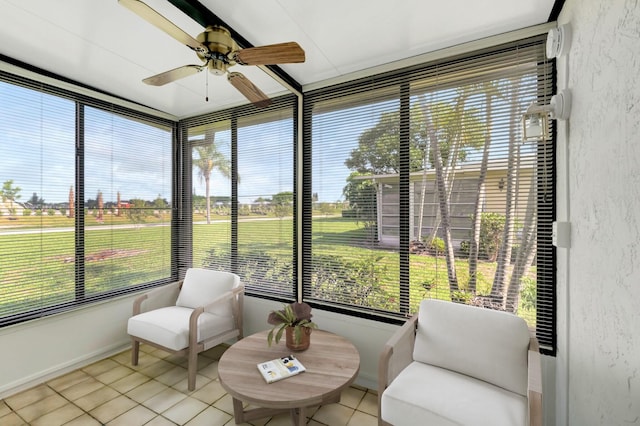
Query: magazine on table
pixel 280 368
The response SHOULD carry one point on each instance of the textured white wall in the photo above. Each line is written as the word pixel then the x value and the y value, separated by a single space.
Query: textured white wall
pixel 598 369
pixel 38 350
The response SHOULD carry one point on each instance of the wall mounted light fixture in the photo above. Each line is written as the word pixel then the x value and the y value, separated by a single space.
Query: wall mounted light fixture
pixel 535 121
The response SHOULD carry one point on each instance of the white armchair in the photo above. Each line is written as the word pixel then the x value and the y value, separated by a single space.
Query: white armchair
pixel 189 316
pixel 454 364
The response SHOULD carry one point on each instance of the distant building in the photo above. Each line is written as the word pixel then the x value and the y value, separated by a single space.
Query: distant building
pixel 462 200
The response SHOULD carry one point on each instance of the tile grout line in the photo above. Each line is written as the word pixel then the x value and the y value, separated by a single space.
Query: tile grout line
pixel 122 361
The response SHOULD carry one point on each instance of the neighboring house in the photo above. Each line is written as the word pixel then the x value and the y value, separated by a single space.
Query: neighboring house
pixel 461 205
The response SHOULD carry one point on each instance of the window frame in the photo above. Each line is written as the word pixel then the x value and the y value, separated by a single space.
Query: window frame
pixel 238 118
pixel 181 259
pixel 81 298
pixel 546 313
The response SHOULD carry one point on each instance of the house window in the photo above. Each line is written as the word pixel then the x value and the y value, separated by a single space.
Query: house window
pixel 420 186
pixel 86 206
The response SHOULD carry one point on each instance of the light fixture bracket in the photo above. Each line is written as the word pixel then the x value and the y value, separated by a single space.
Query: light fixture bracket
pixel 535 120
pixel 560 105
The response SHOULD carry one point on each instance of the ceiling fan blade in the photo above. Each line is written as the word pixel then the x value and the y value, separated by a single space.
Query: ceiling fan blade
pixel 154 18
pixel 281 53
pixel 173 75
pixel 248 89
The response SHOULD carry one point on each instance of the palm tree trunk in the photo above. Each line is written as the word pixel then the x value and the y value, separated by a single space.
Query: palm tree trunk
pixel 474 244
pixel 504 254
pixel 423 193
pixel 443 199
pixel 207 188
pixel 527 252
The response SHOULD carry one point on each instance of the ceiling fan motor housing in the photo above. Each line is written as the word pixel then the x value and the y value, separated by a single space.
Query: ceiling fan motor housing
pixel 219 46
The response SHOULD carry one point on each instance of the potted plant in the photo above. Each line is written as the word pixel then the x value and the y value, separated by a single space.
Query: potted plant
pixel 295 320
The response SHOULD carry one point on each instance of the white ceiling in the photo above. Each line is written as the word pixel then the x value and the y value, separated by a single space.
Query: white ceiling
pixel 101 44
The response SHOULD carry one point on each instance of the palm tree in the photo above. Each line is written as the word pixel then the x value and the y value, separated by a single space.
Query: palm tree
pixel 443 199
pixel 210 159
pixel 498 289
pixel 451 129
pixel 490 90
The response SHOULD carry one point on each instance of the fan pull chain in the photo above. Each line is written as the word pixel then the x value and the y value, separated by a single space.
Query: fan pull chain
pixel 206 94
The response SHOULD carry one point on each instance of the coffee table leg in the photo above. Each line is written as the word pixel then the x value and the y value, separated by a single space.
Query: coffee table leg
pixel 299 416
pixel 238 411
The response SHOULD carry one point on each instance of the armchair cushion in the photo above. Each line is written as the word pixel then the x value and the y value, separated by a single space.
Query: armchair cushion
pixel 485 344
pixel 201 285
pixel 169 326
pixel 449 399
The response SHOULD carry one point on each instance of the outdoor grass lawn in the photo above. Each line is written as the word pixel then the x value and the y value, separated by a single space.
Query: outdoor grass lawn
pixel 43 263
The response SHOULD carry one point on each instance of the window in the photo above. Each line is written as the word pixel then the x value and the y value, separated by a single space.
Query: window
pixel 86 200
pixel 421 187
pixel 37 149
pixel 127 220
pixel 242 195
pixel 415 184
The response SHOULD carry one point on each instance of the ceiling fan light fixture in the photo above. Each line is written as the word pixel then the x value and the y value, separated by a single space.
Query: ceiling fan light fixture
pixel 217 66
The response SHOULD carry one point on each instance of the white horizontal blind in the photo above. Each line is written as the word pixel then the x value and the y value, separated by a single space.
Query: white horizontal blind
pixel 64 241
pixel 251 223
pixel 266 201
pixel 209 153
pixel 37 235
pixel 402 164
pixel 127 200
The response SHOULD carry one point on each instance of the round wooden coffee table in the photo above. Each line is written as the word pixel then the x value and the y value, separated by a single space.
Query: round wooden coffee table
pixel 332 364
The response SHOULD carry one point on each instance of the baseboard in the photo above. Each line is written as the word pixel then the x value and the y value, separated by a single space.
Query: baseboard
pixel 38 378
pixel 367 381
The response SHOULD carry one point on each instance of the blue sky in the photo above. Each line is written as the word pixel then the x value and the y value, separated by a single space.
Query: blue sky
pixel 37 152
pixel 37 134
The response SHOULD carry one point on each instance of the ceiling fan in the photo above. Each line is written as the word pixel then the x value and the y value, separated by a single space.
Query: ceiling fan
pixel 218 52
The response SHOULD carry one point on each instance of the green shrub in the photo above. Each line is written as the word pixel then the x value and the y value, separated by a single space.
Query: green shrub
pixel 437 245
pixel 528 294
pixel 491 229
pixel 461 296
pixel 26 212
pixel 465 246
pixel 51 212
pixel 352 281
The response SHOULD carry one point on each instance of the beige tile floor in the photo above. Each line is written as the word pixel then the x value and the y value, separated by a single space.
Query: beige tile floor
pixel 154 393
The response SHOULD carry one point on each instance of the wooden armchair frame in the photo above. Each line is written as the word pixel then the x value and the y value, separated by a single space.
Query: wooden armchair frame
pixel 167 296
